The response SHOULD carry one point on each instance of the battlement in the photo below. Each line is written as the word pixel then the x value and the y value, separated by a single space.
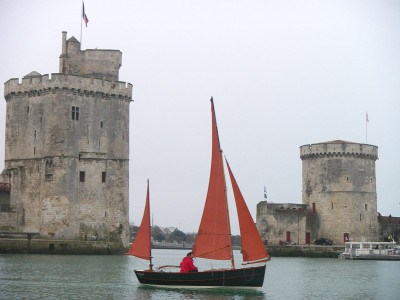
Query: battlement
pixel 39 84
pixel 338 148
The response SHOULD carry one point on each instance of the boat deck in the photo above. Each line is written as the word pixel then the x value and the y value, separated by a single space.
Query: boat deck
pixel 371 251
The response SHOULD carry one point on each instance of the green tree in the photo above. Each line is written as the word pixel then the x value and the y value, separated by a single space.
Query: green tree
pixel 236 240
pixel 157 234
pixel 178 236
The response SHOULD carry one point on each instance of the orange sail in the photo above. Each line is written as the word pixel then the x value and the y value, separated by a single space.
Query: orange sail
pixel 213 239
pixel 141 246
pixel 253 248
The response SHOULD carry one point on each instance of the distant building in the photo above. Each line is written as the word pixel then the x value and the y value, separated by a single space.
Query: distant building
pixel 339 199
pixel 67 149
pixel 284 222
pixel 389 228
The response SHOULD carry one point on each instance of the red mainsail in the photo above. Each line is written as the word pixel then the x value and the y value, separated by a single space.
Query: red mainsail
pixel 253 248
pixel 213 239
pixel 141 246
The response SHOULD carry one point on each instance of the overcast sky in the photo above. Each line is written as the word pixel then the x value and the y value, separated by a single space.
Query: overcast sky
pixel 282 74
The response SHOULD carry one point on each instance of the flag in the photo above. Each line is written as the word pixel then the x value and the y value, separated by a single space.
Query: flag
pixel 265 192
pixel 84 16
pixel 366 117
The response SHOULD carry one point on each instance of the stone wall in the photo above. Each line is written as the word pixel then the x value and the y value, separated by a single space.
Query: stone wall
pixel 44 246
pixel 283 222
pixel 339 184
pixel 103 64
pixel 338 194
pixel 67 150
pixel 389 227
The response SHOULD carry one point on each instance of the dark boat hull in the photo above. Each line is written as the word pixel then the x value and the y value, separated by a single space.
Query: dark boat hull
pixel 238 278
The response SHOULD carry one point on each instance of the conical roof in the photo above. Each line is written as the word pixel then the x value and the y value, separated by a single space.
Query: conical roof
pixel 33 74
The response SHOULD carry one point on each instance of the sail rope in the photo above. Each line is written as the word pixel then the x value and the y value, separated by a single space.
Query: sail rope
pixel 212 251
pixel 256 261
pixel 142 262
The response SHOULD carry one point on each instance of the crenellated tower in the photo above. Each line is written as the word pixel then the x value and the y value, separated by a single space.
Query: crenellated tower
pixel 339 186
pixel 67 148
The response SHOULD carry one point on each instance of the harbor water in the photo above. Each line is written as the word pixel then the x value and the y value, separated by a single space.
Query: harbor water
pixel 112 277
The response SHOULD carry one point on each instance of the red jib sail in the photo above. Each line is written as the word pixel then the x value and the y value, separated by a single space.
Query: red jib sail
pixel 213 239
pixel 253 248
pixel 141 246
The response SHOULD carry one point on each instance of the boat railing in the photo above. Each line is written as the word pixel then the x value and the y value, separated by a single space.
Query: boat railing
pixel 160 268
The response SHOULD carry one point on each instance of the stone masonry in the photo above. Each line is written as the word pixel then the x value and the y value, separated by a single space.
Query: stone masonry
pixel 339 185
pixel 67 149
pixel 339 199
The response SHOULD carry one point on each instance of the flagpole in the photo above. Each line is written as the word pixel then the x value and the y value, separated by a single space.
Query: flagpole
pixel 80 40
pixel 366 127
pixel 265 193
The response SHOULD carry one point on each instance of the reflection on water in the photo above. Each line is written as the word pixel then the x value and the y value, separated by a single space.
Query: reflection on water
pixel 147 292
pixel 112 277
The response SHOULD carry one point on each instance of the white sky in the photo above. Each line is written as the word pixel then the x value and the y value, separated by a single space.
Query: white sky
pixel 282 73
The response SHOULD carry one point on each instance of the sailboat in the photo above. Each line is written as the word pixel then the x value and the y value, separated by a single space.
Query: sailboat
pixel 213 240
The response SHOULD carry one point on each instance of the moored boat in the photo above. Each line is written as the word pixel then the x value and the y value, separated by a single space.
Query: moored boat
pixel 213 240
pixel 371 251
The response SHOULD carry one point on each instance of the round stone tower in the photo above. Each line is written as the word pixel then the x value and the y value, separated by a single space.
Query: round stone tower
pixel 339 185
pixel 67 148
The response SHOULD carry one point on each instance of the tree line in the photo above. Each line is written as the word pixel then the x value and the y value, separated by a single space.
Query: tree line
pixel 159 234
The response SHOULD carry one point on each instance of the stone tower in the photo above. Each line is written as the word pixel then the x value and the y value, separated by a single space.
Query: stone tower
pixel 339 185
pixel 67 149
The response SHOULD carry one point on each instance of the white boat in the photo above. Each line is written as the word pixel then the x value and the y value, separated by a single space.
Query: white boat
pixel 371 251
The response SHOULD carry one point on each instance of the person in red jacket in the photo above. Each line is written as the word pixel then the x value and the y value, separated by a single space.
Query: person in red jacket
pixel 187 264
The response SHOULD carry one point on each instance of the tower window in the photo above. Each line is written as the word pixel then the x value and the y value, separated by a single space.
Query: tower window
pixel 103 177
pixel 360 217
pixel 366 206
pixel 27 109
pixel 82 176
pixel 48 177
pixel 101 124
pixel 75 113
pixel 332 205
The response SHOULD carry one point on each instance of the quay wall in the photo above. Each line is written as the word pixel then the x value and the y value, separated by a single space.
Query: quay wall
pixel 314 251
pixel 48 246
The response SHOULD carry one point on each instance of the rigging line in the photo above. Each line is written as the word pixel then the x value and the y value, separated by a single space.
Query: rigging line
pixel 212 251
pixel 256 261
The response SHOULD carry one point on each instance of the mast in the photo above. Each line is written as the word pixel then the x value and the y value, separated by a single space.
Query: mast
pixel 141 246
pixel 213 239
pixel 226 196
pixel 147 211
